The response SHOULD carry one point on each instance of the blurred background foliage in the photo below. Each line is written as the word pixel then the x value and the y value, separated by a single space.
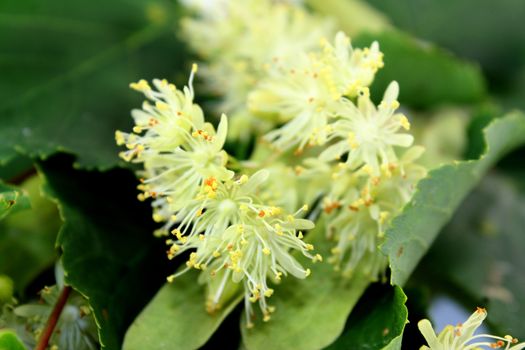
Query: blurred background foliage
pixel 64 71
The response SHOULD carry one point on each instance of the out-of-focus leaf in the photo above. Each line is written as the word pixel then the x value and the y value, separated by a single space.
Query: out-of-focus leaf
pixel 109 252
pixel 487 261
pixel 66 66
pixel 427 75
pixel 10 341
pixel 27 237
pixel 310 313
pixel 440 193
pixel 12 199
pixel 176 318
pixel 487 31
pixel 16 169
pixel 377 322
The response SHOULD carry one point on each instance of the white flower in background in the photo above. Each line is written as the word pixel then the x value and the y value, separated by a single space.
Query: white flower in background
pixel 360 207
pixel 241 41
pixel 462 337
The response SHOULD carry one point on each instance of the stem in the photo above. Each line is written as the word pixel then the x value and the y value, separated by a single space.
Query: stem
pixel 53 319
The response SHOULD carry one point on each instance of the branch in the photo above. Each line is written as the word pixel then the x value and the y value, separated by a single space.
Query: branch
pixel 53 319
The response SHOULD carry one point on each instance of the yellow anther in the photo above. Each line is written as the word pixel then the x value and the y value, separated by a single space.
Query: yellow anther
pixel 275 211
pixel 290 218
pixel 137 129
pixel 201 237
pixel 278 276
pixel 403 120
pixel 216 254
pixel 194 68
pixel 394 105
pixel 309 247
pixel 268 293
pixel 158 218
pixel 170 278
pixel 307 273
pixel 304 207
pixel 141 85
pixel 119 138
pixel 243 179
pixel 317 257
pixel 266 251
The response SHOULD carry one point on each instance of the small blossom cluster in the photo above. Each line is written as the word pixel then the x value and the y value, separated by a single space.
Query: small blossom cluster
pixel 363 152
pixel 219 217
pixel 240 40
pixel 462 337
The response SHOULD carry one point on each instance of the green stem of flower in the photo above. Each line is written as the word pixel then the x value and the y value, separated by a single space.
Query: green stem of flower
pixel 53 319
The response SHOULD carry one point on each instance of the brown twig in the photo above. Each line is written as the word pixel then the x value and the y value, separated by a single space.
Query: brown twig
pixel 53 319
pixel 20 178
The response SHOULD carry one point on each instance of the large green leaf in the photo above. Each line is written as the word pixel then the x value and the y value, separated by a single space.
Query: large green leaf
pixel 310 313
pixel 109 252
pixel 27 237
pixel 176 318
pixel 486 267
pixel 487 31
pixel 377 322
pixel 426 74
pixel 440 193
pixel 66 66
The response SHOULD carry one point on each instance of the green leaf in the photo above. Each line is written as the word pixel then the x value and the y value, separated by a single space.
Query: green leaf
pixel 10 341
pixel 27 237
pixel 487 31
pixel 66 67
pixel 12 199
pixel 109 252
pixel 310 313
pixel 426 75
pixel 176 318
pixel 377 322
pixel 440 193
pixel 487 269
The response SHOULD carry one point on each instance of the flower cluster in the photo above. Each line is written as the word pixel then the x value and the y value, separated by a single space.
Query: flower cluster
pixel 462 337
pixel 324 143
pixel 217 215
pixel 239 46
pixel 324 101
